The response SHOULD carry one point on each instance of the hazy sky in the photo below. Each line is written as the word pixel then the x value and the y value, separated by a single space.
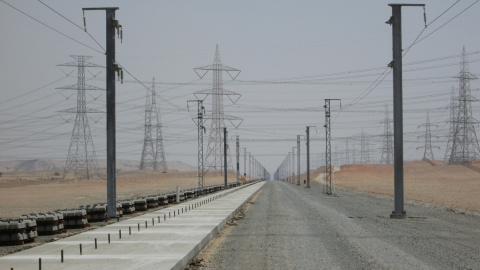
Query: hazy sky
pixel 292 54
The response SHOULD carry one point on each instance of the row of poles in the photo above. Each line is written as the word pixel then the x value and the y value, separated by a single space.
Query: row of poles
pixel 286 169
pixel 256 169
pixel 396 64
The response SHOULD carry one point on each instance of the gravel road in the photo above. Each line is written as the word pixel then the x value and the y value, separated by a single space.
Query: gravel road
pixel 288 226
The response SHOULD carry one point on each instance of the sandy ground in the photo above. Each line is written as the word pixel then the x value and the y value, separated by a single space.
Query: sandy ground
pixel 455 186
pixel 31 192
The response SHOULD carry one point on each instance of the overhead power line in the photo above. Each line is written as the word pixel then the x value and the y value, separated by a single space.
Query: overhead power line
pixel 51 28
pixel 441 26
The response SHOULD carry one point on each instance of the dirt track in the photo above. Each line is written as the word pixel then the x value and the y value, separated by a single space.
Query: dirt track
pixel 291 227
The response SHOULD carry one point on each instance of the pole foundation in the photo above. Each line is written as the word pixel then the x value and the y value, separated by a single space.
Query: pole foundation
pixel 402 215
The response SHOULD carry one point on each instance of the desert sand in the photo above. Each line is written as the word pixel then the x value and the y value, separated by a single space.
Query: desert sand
pixel 34 192
pixel 456 187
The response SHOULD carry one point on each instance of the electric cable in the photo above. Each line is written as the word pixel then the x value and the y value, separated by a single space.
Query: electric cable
pixel 51 28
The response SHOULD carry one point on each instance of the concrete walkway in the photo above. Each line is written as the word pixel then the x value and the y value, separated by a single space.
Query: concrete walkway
pixel 184 229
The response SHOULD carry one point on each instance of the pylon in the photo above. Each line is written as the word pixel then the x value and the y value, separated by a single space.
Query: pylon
pixel 387 149
pixel 200 130
pixel 428 152
pixel 464 142
pixel 153 154
pixel 364 149
pixel 214 153
pixel 328 148
pixel 81 153
pixel 451 121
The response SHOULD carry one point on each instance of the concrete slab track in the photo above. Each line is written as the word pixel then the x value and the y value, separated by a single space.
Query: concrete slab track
pixel 184 229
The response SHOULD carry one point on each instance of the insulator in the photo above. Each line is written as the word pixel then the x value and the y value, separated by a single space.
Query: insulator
pixel 84 22
pixel 121 35
pixel 121 76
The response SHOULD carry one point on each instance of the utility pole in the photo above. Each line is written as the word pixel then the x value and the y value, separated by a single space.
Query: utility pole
pixel 298 160
pixel 287 162
pixel 225 156
pixel 200 131
pixel 308 156
pixel 244 164
pixel 112 67
pixel 238 159
pixel 293 165
pixel 250 165
pixel 328 148
pixel 396 22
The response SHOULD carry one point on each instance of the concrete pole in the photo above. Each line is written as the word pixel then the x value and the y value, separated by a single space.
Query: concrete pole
pixel 298 160
pixel 244 164
pixel 111 144
pixel 396 22
pixel 308 157
pixel 250 165
pixel 238 159
pixel 201 167
pixel 289 165
pixel 225 155
pixel 397 112
pixel 111 140
pixel 293 165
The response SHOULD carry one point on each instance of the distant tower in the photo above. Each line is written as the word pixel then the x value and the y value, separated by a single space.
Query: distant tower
pixel 81 153
pixel 451 121
pixel 214 153
pixel 428 152
pixel 328 148
pixel 354 160
pixel 387 149
pixel 153 155
pixel 364 149
pixel 464 143
pixel 347 151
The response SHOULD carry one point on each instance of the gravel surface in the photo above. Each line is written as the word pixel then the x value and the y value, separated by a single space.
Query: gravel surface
pixel 288 226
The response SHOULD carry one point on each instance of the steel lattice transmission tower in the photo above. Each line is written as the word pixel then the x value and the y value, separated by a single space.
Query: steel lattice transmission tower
pixel 328 148
pixel 200 130
pixel 153 154
pixel 451 121
pixel 464 143
pixel 428 149
pixel 215 148
pixel 81 153
pixel 364 153
pixel 387 149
